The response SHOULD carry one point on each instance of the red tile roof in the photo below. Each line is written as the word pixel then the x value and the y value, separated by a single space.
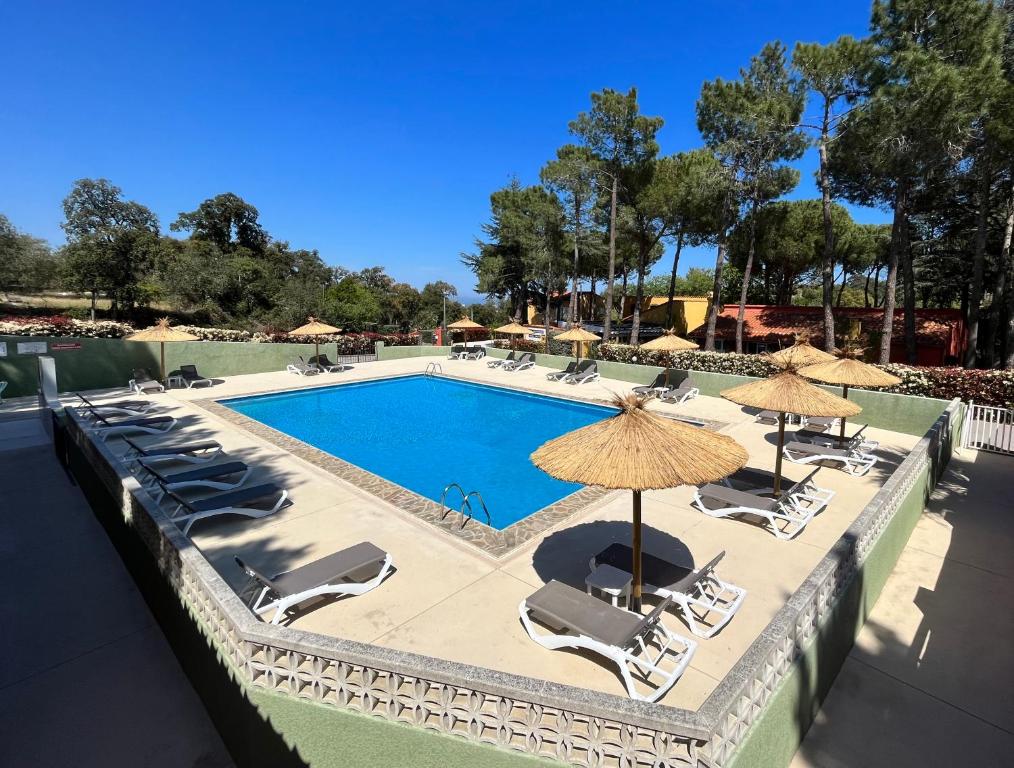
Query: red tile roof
pixel 763 322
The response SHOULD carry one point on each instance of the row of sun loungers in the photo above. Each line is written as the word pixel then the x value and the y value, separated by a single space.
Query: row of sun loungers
pixel 461 352
pixel 676 393
pixel 317 364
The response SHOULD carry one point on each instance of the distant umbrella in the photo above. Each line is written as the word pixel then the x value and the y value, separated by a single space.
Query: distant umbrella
pixel 162 332
pixel 849 372
pixel 788 392
pixel 639 451
pixel 512 330
pixel 578 335
pixel 799 354
pixel 669 342
pixel 465 325
pixel 315 328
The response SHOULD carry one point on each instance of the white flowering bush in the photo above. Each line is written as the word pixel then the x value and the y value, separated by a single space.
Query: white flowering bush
pixel 217 334
pixel 59 325
pixel 691 359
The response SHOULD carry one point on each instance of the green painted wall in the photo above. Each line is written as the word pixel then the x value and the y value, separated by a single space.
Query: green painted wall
pixel 775 737
pixel 400 353
pixel 104 363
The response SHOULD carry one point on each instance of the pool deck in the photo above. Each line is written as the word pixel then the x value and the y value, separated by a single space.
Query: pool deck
pixel 449 599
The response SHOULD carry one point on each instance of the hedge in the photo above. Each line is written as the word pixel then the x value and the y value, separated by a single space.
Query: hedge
pixel 986 387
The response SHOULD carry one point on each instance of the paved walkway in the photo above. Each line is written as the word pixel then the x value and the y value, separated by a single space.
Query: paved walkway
pixel 930 680
pixel 86 676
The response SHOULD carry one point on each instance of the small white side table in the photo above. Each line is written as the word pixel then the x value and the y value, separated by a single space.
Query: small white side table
pixel 609 581
pixel 174 381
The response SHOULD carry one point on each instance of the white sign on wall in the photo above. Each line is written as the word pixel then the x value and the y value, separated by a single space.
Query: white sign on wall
pixel 3 349
pixel 31 347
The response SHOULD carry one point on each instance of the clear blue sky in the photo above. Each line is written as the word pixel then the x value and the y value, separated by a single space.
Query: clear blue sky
pixel 374 134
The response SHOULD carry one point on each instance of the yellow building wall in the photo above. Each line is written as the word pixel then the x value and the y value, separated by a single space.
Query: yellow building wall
pixel 689 312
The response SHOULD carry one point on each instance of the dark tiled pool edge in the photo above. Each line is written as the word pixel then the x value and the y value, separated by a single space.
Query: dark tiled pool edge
pixel 489 540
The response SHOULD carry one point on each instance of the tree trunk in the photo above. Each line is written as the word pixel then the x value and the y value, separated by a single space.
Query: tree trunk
pixel 672 278
pixel 591 303
pixel 876 287
pixel 574 305
pixel 891 282
pixel 716 290
pixel 978 259
pixel 94 292
pixel 1007 262
pixel 908 296
pixel 827 270
pixel 746 273
pixel 607 326
pixel 866 291
pixel 837 303
pixel 635 325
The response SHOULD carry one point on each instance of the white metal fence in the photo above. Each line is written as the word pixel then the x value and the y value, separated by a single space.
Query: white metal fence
pixel 988 428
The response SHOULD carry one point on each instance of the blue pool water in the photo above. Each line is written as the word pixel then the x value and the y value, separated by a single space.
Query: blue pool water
pixel 423 432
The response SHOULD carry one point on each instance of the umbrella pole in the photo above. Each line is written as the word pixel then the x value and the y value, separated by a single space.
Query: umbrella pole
pixel 635 587
pixel 162 357
pixel 778 456
pixel 845 394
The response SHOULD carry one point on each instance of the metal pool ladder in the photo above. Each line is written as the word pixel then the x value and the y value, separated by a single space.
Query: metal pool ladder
pixel 464 502
pixel 432 369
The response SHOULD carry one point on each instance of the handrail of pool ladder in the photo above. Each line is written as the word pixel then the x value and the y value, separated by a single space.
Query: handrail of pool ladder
pixel 465 502
pixel 433 369
pixel 443 497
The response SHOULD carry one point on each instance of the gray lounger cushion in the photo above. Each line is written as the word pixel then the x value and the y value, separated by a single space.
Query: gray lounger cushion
pixel 170 449
pixel 141 421
pixel 562 607
pixel 241 496
pixel 357 563
pixel 730 497
pixel 817 450
pixel 204 472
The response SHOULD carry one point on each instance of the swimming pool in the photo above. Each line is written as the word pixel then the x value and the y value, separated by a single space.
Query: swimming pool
pixel 424 432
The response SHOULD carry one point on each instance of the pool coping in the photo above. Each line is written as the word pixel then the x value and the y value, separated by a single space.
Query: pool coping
pixel 495 543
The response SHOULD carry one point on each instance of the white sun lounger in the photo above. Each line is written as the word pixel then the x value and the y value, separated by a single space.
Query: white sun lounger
pixel 523 363
pixel 638 645
pixel 587 370
pixel 685 391
pixel 142 382
pixel 496 362
pixel 197 452
pixel 302 368
pixel 854 442
pixel 707 602
pixel 237 502
pixel 352 571
pixel 221 477
pixel 785 516
pixel 149 425
pixel 561 375
pixel 761 481
pixel 853 461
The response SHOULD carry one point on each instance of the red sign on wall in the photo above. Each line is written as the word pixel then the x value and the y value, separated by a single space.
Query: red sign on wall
pixel 64 345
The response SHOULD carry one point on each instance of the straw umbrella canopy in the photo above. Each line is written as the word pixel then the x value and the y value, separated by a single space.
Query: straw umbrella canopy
pixel 464 324
pixel 849 372
pixel 315 327
pixel 669 342
pixel 162 332
pixel 512 329
pixel 788 392
pixel 637 450
pixel 578 335
pixel 799 354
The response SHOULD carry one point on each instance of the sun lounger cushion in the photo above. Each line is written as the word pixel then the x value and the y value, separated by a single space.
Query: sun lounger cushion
pixel 169 449
pixel 359 562
pixel 654 570
pixel 241 496
pixel 562 607
pixel 205 472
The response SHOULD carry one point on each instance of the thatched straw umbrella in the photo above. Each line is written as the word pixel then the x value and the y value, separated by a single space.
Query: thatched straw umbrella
pixel 315 328
pixel 465 325
pixel 162 332
pixel 578 335
pixel 788 392
pixel 799 354
pixel 849 372
pixel 639 451
pixel 512 329
pixel 669 342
